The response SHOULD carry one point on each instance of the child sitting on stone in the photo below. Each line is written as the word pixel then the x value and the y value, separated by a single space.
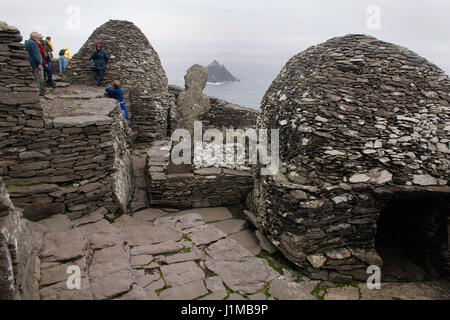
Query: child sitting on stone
pixel 117 93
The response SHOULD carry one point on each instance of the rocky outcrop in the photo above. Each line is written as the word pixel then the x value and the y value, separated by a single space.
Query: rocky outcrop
pixel 356 116
pixel 137 65
pixel 218 73
pixel 19 263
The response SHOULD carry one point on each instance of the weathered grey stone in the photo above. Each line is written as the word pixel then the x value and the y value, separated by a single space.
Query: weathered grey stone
pixel 65 246
pixel 164 247
pixel 61 292
pixel 407 291
pixel 346 293
pixel 317 260
pixel 137 235
pixel 150 214
pixel 282 289
pixel 188 291
pixel 111 285
pixel 230 226
pixel 109 261
pixel 102 235
pixel 181 221
pixel 211 214
pixel 248 276
pixel 340 155
pixel 181 273
pixel 57 223
pixel 141 260
pixel 228 250
pixel 191 103
pixel 248 240
pixel 338 254
pixel 265 243
pixel 205 234
pixel 56 274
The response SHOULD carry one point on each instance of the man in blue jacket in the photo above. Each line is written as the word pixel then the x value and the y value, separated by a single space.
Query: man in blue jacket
pixel 117 93
pixel 100 58
pixel 35 59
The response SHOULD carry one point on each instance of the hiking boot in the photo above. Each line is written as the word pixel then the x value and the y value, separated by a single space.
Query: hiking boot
pixel 52 84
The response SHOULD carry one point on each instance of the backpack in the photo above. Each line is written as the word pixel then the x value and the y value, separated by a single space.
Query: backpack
pixel 48 51
pixel 62 52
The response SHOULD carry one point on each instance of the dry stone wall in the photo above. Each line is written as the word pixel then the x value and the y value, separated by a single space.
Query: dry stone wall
pixel 355 114
pixel 203 187
pixel 19 262
pixel 223 114
pixel 52 164
pixel 136 64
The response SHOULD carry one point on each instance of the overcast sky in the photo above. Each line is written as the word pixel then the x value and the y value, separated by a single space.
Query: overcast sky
pixel 241 29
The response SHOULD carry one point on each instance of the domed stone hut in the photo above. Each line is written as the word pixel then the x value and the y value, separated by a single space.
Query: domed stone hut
pixel 364 147
pixel 136 64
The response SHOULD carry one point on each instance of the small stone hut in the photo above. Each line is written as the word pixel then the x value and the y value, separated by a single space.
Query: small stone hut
pixel 364 147
pixel 136 64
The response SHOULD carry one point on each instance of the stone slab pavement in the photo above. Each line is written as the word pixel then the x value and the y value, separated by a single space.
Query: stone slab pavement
pixel 165 255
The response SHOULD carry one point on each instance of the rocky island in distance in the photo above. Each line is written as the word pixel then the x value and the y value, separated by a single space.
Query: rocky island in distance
pixel 218 73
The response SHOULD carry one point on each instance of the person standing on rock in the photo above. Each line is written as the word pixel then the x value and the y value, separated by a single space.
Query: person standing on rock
pixel 101 59
pixel 117 93
pixel 62 62
pixel 35 59
pixel 48 56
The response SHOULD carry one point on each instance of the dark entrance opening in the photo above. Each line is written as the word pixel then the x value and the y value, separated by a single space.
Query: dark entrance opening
pixel 412 239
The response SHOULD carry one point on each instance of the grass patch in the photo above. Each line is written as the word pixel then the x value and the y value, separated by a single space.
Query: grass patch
pixel 23 185
pixel 319 292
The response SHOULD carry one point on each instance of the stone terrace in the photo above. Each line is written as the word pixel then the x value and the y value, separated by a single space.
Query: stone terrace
pixel 80 164
pixel 203 187
pixel 197 254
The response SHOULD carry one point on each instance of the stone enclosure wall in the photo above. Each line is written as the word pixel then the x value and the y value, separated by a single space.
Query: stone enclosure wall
pixel 203 187
pixel 137 65
pixel 223 114
pixel 19 263
pixel 68 164
pixel 355 114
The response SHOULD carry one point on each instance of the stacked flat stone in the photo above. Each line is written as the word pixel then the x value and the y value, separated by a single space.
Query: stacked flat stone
pixel 78 165
pixel 137 65
pixel 204 187
pixel 51 164
pixel 18 255
pixel 359 119
pixel 222 113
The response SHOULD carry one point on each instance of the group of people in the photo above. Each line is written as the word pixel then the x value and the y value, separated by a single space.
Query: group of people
pixel 40 55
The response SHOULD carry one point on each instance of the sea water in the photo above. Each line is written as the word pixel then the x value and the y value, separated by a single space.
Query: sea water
pixel 255 78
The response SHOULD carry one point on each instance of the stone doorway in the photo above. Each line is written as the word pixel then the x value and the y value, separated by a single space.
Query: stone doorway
pixel 412 238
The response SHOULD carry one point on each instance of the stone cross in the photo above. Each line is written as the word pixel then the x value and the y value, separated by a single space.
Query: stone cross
pixel 191 102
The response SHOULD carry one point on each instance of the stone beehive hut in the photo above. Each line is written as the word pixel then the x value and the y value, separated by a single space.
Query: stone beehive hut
pixel 136 64
pixel 364 128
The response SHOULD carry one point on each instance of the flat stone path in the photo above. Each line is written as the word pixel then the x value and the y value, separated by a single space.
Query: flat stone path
pixel 196 254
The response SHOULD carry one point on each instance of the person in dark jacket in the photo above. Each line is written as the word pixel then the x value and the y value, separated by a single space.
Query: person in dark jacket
pixel 35 59
pixel 101 59
pixel 48 56
pixel 117 93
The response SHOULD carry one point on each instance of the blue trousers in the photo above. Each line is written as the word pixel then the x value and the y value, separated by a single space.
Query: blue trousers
pixel 49 71
pixel 62 63
pixel 123 106
pixel 100 74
